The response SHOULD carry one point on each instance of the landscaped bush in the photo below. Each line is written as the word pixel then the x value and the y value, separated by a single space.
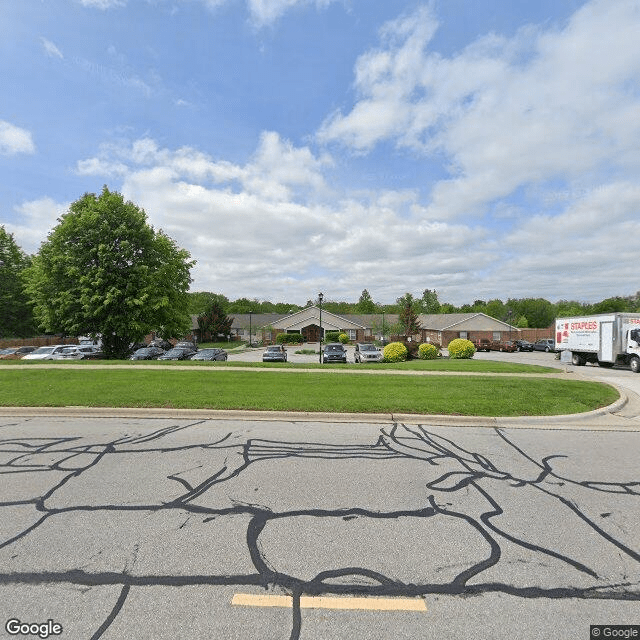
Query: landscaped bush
pixel 461 348
pixel 289 338
pixel 428 351
pixel 395 352
pixel 332 336
pixel 344 338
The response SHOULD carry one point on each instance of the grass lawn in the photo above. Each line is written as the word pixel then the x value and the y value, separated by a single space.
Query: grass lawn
pixel 442 364
pixel 226 388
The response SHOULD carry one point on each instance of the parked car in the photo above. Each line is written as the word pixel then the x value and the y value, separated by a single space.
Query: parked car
pixel 45 353
pixel 15 353
pixel 334 352
pixel 484 344
pixel 165 345
pixel 147 353
pixel 185 344
pixel 524 345
pixel 73 352
pixel 96 354
pixel 507 345
pixel 275 353
pixel 210 354
pixel 546 344
pixel 177 353
pixel 367 352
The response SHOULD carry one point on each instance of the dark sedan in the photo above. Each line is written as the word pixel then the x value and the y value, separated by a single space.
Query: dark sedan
pixel 275 353
pixel 334 352
pixel 15 353
pixel 147 353
pixel 210 354
pixel 177 353
pixel 524 345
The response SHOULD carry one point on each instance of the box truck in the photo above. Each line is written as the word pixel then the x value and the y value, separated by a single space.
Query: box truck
pixel 608 339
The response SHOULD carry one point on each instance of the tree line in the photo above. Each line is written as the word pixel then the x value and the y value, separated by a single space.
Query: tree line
pixel 520 312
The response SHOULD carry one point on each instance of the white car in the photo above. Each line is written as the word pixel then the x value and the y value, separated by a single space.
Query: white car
pixel 74 352
pixel 46 353
pixel 367 352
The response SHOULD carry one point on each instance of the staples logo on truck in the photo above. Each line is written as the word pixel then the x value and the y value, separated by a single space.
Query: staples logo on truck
pixel 585 331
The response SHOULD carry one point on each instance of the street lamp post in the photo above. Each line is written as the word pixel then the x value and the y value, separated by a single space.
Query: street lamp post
pixel 320 298
pixel 382 329
pixel 250 312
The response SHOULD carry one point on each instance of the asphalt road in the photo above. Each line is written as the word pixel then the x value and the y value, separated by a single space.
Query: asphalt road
pixel 134 528
pixel 161 529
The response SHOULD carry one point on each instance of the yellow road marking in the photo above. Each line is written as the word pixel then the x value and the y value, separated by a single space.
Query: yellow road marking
pixel 325 602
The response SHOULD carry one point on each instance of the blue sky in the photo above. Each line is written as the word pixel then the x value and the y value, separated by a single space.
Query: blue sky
pixel 485 149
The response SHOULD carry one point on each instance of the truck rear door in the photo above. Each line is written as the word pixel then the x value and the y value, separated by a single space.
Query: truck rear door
pixel 606 352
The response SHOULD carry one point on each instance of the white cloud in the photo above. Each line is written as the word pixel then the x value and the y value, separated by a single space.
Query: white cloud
pixel 265 228
pixel 51 49
pixel 15 140
pixel 103 4
pixel 266 12
pixel 544 105
pixel 34 221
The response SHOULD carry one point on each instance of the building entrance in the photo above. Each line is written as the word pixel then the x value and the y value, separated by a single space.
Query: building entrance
pixel 311 333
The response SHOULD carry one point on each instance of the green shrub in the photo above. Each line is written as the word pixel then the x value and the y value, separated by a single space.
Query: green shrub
pixel 344 338
pixel 395 352
pixel 461 348
pixel 428 351
pixel 332 336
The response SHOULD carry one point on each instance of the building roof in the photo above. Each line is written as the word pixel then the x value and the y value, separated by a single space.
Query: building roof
pixel 332 321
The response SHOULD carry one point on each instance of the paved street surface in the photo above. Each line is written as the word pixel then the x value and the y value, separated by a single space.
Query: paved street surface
pixel 166 529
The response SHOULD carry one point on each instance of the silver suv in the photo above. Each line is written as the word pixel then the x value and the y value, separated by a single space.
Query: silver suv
pixel 367 352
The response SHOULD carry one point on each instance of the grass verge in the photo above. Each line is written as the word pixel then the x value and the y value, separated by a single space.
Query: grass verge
pixel 444 364
pixel 297 391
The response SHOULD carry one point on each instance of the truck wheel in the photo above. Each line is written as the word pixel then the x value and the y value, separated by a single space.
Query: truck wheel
pixel 635 364
pixel 577 360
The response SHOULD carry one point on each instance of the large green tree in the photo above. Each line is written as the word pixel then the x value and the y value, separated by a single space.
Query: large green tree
pixel 104 270
pixel 429 302
pixel 16 317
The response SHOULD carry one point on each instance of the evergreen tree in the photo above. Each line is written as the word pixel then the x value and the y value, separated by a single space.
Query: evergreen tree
pixel 366 303
pixel 408 316
pixel 214 322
